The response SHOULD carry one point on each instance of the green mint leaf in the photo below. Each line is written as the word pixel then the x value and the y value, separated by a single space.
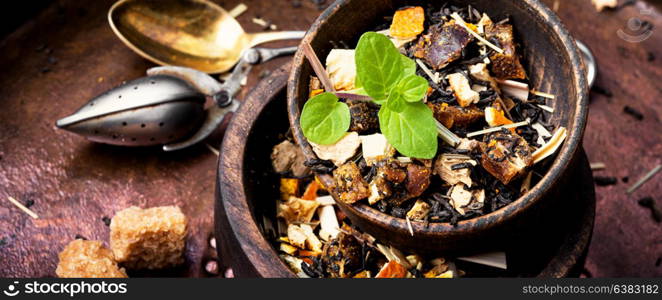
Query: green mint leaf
pixel 412 88
pixel 409 65
pixel 379 64
pixel 324 120
pixel 409 126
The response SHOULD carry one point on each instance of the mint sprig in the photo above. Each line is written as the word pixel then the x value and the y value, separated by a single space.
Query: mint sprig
pixel 390 79
pixel 324 120
pixel 379 64
pixel 406 126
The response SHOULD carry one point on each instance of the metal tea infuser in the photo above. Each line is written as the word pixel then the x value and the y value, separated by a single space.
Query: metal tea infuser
pixel 166 107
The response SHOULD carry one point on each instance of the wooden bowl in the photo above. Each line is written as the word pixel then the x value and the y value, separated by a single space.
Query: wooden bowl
pixel 247 190
pixel 553 64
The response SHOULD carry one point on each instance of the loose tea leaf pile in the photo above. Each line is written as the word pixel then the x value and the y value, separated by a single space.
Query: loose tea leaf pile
pixel 438 81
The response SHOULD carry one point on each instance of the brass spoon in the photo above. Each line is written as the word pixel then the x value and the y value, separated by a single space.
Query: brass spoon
pixel 193 33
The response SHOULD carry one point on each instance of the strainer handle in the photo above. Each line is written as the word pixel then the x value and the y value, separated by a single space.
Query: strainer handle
pixel 215 115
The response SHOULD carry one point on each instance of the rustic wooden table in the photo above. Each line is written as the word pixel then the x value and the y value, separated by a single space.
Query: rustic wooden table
pixel 67 54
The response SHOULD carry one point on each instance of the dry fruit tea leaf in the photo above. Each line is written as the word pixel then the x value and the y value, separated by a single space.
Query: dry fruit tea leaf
pixel 643 179
pixel 514 88
pixel 498 128
pixel 411 229
pixel 551 147
pixel 492 259
pixel 408 22
pixel 311 191
pixel 543 94
pixel 317 67
pixel 23 208
pixel 598 166
pixel 238 10
pixel 461 22
pixel 427 71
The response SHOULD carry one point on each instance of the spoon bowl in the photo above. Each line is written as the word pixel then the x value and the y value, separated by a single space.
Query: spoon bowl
pixel 192 33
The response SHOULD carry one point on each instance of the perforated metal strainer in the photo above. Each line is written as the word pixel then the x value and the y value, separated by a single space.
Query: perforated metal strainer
pixel 165 108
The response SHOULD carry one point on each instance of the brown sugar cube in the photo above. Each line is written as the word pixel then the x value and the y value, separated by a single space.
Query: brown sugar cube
pixel 150 238
pixel 88 259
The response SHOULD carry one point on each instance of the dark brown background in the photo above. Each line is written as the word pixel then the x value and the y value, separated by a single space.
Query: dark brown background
pixel 75 183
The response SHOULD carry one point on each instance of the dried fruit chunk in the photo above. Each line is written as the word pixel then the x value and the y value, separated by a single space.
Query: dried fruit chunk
pixel 379 188
pixel 329 227
pixel 453 116
pixel 407 22
pixel 362 274
pixel 495 117
pixel 480 72
pixel 342 253
pixel 288 188
pixel 506 156
pixel 297 210
pixel 444 167
pixel 349 185
pixel 440 268
pixel 341 68
pixel 339 152
pixel 505 65
pixel 312 242
pixel 418 180
pixel 375 147
pixel 419 211
pixel 311 191
pixel 296 236
pixel 287 156
pixel 392 270
pixel 462 90
pixel 463 199
pixel 442 45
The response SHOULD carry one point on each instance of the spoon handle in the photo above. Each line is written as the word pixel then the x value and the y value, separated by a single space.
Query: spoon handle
pixel 263 37
pixel 269 53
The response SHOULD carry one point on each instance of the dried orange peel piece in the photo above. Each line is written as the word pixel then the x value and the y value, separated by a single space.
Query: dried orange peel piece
pixel 288 187
pixel 311 191
pixel 316 92
pixel 495 117
pixel 392 270
pixel 407 22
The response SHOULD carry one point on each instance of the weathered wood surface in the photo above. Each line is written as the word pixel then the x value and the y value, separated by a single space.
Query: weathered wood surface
pixel 75 183
pixel 626 240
